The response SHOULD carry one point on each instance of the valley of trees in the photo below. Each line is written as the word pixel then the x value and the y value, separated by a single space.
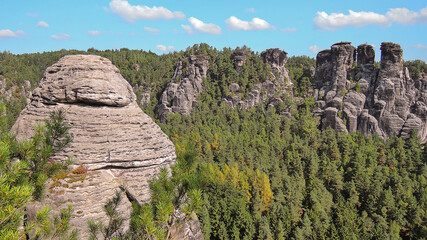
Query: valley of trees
pixel 257 173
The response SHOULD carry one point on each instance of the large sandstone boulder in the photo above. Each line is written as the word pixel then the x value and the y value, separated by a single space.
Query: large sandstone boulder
pixel 116 146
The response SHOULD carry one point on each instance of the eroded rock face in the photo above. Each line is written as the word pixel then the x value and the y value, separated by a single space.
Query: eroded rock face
pixel 7 93
pixel 239 58
pixel 84 79
pixel 277 59
pixel 267 91
pixel 119 145
pixel 383 101
pixel 180 95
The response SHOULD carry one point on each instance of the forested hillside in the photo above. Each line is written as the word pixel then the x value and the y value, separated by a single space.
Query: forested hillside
pixel 268 172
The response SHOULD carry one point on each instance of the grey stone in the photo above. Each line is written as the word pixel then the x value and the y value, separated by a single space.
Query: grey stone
pixel 119 145
pixel 277 59
pixel 389 101
pixel 84 79
pixel 234 87
pixel 331 119
pixel 180 95
pixel 240 56
pixel 145 97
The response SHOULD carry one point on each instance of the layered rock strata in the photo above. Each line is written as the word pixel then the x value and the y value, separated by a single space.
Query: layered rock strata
pixel 116 147
pixel 358 97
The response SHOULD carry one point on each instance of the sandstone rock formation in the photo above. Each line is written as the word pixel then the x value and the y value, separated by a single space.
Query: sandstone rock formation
pixel 240 56
pixel 116 146
pixel 269 90
pixel 8 92
pixel 277 59
pixel 357 97
pixel 145 97
pixel 180 95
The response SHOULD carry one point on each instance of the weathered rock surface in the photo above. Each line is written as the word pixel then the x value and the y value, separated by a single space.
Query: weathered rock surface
pixel 180 95
pixel 145 97
pixel 240 56
pixel 373 101
pixel 267 91
pixel 119 145
pixel 8 92
pixel 277 59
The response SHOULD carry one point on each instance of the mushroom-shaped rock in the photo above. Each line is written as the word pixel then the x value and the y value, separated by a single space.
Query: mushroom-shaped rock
pixel 119 145
pixel 87 79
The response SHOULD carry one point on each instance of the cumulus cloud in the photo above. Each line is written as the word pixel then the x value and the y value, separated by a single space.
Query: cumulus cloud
pixel 164 48
pixel 256 24
pixel 314 49
pixel 61 36
pixel 289 30
pixel 420 46
pixel 134 12
pixel 251 10
pixel 357 19
pixel 204 27
pixel 404 16
pixel 187 29
pixel 152 30
pixel 94 33
pixel 42 24
pixel 7 33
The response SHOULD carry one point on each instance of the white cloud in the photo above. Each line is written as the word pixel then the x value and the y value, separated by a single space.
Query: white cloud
pixel 289 30
pixel 187 29
pixel 251 10
pixel 132 13
pixel 7 33
pixel 357 19
pixel 314 49
pixel 404 16
pixel 132 34
pixel 256 24
pixel 152 30
pixel 204 27
pixel 61 36
pixel 94 33
pixel 420 46
pixel 164 48
pixel 42 24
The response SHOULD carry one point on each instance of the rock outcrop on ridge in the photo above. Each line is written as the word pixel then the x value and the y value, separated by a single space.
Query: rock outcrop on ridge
pixel 180 95
pixel 7 93
pixel 355 96
pixel 270 90
pixel 181 92
pixel 115 145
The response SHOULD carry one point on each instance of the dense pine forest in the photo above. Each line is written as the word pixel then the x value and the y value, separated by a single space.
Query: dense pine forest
pixel 262 174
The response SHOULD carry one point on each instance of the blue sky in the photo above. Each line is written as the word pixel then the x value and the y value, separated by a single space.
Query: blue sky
pixel 299 27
